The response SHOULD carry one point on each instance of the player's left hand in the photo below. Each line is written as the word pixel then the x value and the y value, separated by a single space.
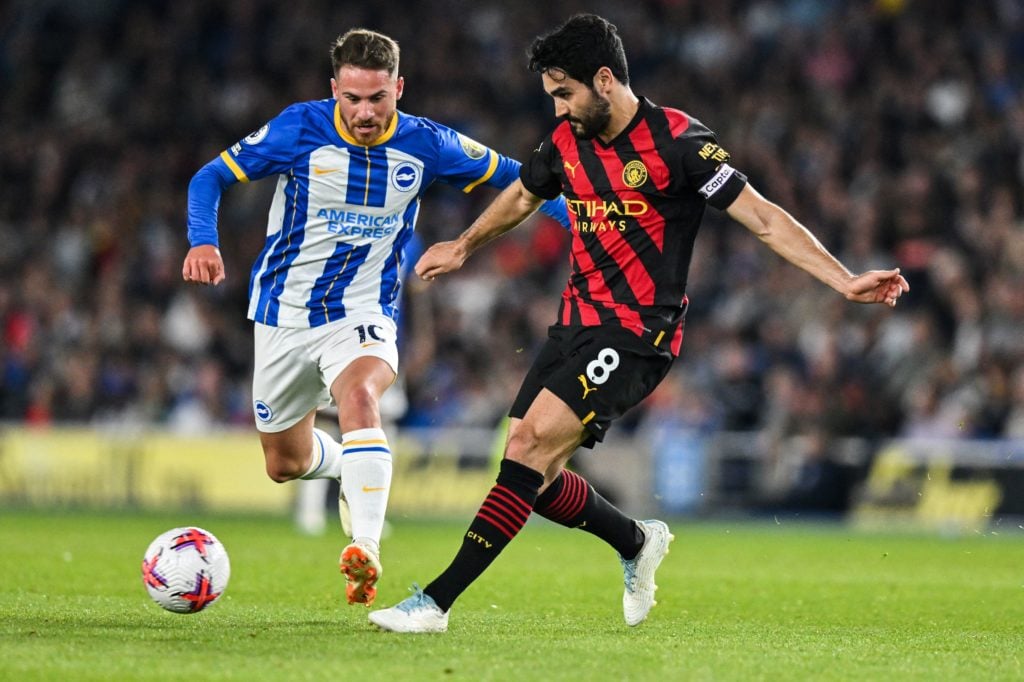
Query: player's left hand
pixel 877 286
pixel 441 258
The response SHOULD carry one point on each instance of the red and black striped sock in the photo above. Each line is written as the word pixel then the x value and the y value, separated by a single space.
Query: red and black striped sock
pixel 573 503
pixel 499 519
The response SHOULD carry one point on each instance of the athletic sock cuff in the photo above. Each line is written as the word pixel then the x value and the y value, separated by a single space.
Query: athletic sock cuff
pixel 565 499
pixel 364 444
pixel 324 456
pixel 358 435
pixel 520 479
pixel 546 498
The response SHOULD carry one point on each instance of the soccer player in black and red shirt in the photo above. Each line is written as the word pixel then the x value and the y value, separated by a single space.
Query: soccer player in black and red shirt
pixel 637 178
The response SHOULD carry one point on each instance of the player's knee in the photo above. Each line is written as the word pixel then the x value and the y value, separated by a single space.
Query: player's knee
pixel 520 442
pixel 526 446
pixel 281 468
pixel 361 400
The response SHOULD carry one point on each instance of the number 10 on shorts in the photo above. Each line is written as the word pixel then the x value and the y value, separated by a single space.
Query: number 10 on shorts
pixel 371 330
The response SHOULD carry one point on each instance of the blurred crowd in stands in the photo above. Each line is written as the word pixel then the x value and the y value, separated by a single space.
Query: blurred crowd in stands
pixel 894 129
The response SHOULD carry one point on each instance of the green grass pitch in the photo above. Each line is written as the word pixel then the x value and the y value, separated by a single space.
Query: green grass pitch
pixel 736 602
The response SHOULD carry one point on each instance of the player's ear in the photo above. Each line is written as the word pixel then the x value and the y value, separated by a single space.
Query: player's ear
pixel 334 88
pixel 603 80
pixel 399 86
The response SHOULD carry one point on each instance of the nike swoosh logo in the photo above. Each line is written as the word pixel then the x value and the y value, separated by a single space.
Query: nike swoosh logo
pixel 368 489
pixel 324 171
pixel 371 343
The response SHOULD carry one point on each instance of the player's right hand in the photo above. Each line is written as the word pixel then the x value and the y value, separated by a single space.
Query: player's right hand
pixel 440 258
pixel 203 265
pixel 878 286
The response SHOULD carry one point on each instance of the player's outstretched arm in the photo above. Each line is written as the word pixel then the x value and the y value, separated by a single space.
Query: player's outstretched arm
pixel 514 205
pixel 203 265
pixel 794 242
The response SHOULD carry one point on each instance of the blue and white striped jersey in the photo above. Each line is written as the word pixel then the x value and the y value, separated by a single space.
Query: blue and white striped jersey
pixel 342 212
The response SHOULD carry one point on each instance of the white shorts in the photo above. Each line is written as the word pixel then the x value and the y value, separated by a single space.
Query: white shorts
pixel 295 368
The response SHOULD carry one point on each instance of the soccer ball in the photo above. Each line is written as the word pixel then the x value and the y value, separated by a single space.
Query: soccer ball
pixel 185 569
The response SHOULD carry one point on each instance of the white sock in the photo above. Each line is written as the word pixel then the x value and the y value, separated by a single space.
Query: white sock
pixel 366 480
pixel 326 460
pixel 310 511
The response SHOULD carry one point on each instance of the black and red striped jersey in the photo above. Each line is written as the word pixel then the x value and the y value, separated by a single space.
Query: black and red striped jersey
pixel 636 204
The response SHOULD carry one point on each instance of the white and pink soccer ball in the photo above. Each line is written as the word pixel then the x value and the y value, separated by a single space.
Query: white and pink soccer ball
pixel 185 569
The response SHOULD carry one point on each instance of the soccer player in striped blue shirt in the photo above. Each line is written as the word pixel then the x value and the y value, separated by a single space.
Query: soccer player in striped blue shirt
pixel 323 293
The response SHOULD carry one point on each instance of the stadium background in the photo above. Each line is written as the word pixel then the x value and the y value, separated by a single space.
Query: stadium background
pixel 894 130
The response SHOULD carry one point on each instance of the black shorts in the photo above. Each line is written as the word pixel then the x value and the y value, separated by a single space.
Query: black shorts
pixel 599 372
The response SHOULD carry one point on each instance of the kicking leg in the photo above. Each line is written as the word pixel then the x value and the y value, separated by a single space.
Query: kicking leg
pixel 571 501
pixel 548 433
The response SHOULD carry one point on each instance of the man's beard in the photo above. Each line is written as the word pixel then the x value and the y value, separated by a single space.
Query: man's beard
pixel 593 120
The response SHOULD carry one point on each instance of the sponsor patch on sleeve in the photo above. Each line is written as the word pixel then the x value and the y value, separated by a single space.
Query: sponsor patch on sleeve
pixel 472 148
pixel 717 182
pixel 714 152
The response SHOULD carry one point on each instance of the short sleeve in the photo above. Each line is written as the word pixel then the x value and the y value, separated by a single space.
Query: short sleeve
pixel 270 150
pixel 706 167
pixel 462 161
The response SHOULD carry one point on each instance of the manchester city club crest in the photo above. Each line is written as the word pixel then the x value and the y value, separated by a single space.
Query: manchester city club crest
pixel 634 174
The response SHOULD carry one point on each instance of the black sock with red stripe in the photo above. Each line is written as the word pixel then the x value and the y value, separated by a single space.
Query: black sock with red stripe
pixel 500 517
pixel 573 503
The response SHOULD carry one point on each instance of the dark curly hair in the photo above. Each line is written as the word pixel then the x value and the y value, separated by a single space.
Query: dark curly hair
pixel 580 47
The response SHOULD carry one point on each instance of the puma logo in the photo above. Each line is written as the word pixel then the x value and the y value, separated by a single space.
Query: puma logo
pixel 368 489
pixel 586 387
pixel 571 167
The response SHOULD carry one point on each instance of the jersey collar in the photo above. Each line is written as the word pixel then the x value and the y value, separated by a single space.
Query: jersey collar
pixel 384 137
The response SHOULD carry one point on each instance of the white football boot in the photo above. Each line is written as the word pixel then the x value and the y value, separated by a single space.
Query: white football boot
pixel 418 613
pixel 638 572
